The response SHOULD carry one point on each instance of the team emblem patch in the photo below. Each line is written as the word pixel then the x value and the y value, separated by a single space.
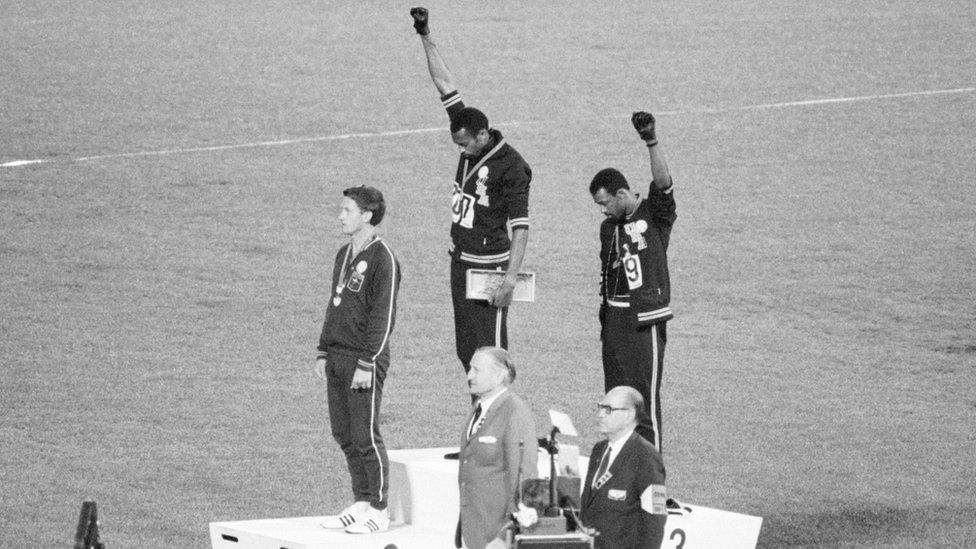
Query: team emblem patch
pixel 481 186
pixel 356 278
pixel 635 231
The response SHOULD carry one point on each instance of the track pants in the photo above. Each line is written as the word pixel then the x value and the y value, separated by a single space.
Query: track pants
pixel 354 417
pixel 476 323
pixel 636 358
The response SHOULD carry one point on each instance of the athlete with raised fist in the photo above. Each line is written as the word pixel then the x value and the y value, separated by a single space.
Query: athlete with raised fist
pixel 635 284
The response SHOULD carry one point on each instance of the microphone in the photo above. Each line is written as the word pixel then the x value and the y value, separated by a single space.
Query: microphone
pixel 518 482
pixel 545 445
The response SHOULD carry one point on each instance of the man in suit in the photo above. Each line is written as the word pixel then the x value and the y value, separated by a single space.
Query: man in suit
pixel 498 448
pixel 623 494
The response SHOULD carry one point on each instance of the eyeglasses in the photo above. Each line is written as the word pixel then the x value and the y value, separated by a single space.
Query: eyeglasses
pixel 607 409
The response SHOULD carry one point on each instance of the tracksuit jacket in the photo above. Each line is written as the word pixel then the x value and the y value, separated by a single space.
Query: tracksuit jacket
pixel 634 256
pixel 360 318
pixel 491 195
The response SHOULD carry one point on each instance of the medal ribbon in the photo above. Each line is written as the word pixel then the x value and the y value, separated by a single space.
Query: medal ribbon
pixel 468 174
pixel 343 279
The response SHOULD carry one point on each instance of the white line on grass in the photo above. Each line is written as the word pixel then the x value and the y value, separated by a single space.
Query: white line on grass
pixel 828 101
pixel 283 142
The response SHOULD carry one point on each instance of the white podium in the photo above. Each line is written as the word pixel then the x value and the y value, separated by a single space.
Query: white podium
pixel 423 508
pixel 697 527
pixel 423 505
pixel 424 489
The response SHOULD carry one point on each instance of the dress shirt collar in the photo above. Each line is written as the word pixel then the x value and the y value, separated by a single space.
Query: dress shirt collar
pixel 487 401
pixel 616 445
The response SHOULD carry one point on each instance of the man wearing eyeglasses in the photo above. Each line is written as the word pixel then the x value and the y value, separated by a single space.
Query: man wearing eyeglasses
pixel 623 494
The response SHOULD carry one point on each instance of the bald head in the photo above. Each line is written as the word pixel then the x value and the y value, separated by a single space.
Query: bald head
pixel 628 395
pixel 620 411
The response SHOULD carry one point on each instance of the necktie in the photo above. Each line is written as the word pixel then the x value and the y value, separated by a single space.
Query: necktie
pixel 602 469
pixel 474 421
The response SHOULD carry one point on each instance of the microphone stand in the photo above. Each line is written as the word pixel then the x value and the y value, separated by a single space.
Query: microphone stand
pixel 518 482
pixel 553 510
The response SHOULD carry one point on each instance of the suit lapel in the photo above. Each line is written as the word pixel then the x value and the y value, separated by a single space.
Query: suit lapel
pixel 591 471
pixel 625 450
pixel 618 462
pixel 624 455
pixel 489 420
pixel 464 429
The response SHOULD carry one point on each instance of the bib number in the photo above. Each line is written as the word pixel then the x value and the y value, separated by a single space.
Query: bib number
pixel 462 209
pixel 632 269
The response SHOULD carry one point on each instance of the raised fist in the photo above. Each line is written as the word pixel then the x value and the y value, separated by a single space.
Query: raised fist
pixel 644 124
pixel 420 20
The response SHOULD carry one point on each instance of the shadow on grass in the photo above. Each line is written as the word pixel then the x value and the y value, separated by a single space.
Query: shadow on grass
pixel 870 524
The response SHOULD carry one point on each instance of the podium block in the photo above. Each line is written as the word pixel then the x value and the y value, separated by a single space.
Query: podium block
pixel 306 533
pixel 423 488
pixel 697 527
pixel 423 505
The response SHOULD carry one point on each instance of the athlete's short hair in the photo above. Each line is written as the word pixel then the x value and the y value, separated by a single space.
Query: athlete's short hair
pixel 609 179
pixel 501 358
pixel 369 200
pixel 470 119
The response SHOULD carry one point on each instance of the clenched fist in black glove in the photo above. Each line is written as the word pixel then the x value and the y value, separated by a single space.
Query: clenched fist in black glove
pixel 644 124
pixel 420 20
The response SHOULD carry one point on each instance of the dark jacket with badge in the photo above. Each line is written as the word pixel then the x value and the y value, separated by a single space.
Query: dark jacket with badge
pixel 614 508
pixel 634 258
pixel 491 195
pixel 362 308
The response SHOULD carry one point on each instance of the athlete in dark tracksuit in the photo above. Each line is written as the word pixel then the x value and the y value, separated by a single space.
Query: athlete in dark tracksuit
pixel 490 198
pixel 635 284
pixel 356 338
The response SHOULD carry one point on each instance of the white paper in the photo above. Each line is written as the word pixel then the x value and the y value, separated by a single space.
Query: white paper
pixel 562 422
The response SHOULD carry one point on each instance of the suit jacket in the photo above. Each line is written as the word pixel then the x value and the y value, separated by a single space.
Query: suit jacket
pixel 488 467
pixel 614 508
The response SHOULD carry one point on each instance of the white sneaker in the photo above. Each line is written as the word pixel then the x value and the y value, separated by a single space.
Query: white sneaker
pixel 370 522
pixel 347 516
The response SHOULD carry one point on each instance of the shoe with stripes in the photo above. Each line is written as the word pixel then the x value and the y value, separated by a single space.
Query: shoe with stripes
pixel 372 521
pixel 347 516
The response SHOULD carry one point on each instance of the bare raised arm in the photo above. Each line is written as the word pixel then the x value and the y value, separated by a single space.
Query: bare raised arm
pixel 439 72
pixel 438 69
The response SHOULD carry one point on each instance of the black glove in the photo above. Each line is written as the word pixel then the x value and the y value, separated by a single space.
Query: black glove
pixel 420 20
pixel 644 124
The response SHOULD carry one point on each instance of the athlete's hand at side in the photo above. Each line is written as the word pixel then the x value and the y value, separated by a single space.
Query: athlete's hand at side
pixel 420 19
pixel 361 379
pixel 502 295
pixel 320 368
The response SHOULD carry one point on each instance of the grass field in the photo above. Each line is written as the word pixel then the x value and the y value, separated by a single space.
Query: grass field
pixel 165 262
